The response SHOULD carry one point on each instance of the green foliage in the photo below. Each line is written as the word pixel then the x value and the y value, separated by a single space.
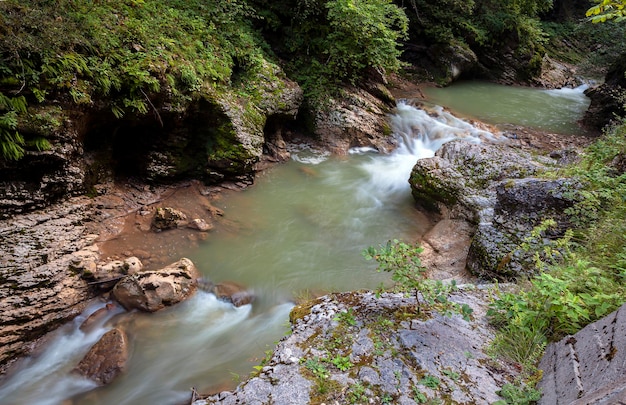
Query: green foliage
pixel 518 395
pixel 402 260
pixel 607 10
pixel 346 317
pixel 11 142
pixel 356 393
pixel 317 368
pixel 126 51
pixel 342 362
pixel 330 42
pixel 430 381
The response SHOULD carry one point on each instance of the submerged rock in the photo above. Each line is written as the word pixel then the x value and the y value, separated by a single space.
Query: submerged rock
pixel 106 359
pixel 168 218
pixel 151 291
pixel 232 292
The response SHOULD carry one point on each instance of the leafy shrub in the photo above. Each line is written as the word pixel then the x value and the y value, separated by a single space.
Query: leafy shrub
pixel 402 260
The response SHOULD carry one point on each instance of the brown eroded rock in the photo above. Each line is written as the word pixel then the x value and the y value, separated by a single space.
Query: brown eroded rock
pixel 445 249
pixel 168 218
pixel 106 359
pixel 154 290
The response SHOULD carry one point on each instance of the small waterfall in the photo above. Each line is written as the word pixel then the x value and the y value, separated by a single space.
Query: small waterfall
pixel 419 133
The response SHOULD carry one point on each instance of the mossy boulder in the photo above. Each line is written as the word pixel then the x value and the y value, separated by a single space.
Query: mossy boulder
pixel 495 189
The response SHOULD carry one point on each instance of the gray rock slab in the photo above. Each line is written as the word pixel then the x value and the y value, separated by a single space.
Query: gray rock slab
pixel 588 367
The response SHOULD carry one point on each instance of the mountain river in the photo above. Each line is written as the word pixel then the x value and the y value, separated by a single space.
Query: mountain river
pixel 299 230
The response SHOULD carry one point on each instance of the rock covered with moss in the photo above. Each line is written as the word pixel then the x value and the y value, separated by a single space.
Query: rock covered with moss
pixel 355 347
pixel 494 188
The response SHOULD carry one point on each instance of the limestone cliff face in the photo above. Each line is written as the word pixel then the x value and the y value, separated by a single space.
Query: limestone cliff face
pixel 217 136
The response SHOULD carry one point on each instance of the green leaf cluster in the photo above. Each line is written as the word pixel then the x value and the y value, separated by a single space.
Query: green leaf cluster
pixel 328 42
pixel 124 54
pixel 607 10
pixel 402 260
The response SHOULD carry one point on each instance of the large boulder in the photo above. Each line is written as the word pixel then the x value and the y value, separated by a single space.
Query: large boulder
pixel 492 187
pixel 106 359
pixel 521 205
pixel 607 99
pixel 462 177
pixel 357 118
pixel 151 291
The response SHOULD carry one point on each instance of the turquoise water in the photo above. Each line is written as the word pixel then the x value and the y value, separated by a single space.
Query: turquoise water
pixel 554 111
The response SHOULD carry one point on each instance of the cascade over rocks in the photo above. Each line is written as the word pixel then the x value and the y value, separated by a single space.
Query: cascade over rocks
pixel 491 186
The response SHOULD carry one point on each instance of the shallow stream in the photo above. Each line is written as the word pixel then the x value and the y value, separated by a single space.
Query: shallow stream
pixel 300 229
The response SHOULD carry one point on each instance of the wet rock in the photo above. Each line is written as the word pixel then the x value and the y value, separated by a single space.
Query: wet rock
pixel 98 316
pixel 555 74
pixel 106 359
pixel 151 291
pixel 607 103
pixel 588 367
pixel 40 286
pixel 200 224
pixel 232 292
pixel 356 119
pixel 106 275
pixel 168 218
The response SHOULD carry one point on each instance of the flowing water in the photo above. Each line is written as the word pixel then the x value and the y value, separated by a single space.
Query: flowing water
pixel 300 228
pixel 549 110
